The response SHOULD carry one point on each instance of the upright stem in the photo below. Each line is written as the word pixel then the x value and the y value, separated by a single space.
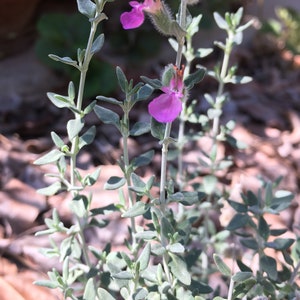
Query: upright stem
pixel 224 69
pixel 75 141
pixel 165 146
pixel 128 179
pixel 163 175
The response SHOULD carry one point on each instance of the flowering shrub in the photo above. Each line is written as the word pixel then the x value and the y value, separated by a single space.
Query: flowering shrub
pixel 171 256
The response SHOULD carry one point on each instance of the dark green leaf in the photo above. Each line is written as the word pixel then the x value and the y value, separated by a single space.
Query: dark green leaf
pixel 194 78
pixel 250 243
pixel 140 128
pixel 190 198
pixel 157 129
pixel 109 100
pixel 239 207
pixel 250 198
pixel 238 221
pixel 123 82
pixel 268 265
pixel 143 159
pixel 107 116
pixel 281 201
pixel 263 228
pixel 243 267
pixel 280 244
pixel 144 92
pixel 155 83
pixel 243 288
pixel 277 232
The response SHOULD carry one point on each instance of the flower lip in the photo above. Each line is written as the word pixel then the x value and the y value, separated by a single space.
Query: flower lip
pixel 167 107
pixel 136 17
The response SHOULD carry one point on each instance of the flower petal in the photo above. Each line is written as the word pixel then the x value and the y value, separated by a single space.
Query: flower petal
pixel 132 19
pixel 165 108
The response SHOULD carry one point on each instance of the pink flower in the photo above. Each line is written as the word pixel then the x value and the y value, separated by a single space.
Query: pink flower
pixel 136 17
pixel 167 107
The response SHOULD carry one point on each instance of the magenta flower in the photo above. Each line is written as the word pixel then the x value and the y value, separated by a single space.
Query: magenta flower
pixel 167 107
pixel 136 17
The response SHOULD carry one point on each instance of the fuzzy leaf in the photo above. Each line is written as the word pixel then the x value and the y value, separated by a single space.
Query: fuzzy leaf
pixel 107 116
pixel 280 244
pixel 157 129
pixel 250 243
pixel 138 209
pixel 143 159
pixel 74 127
pixel 194 78
pixel 222 267
pixel 114 183
pixel 104 294
pixel 50 190
pixel 88 137
pixel 144 92
pixel 176 248
pixel 52 156
pixel 123 82
pixel 64 60
pixel 268 264
pixel 220 21
pixel 241 276
pixel 123 275
pixel 87 8
pixel 144 257
pixel 140 128
pixel 59 143
pixel 179 269
pixel 263 228
pixel 90 290
pixel 239 207
pixel 59 101
pixel 238 221
pixel 98 43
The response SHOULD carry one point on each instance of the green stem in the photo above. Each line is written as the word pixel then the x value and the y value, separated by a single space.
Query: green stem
pixel 75 141
pixel 165 146
pixel 223 74
pixel 163 175
pixel 128 179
